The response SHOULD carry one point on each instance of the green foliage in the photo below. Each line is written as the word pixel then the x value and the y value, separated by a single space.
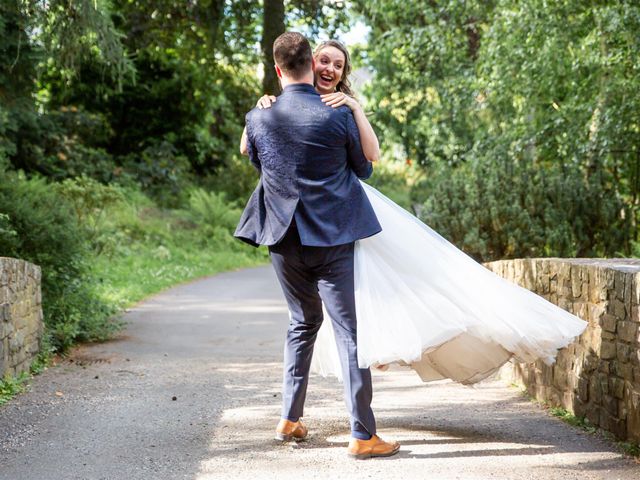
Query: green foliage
pixel 90 201
pixel 39 226
pixel 236 177
pixel 156 248
pixel 161 171
pixel 522 115
pixel 212 210
pixel 394 179
pixel 11 386
pixel 571 419
pixel 72 31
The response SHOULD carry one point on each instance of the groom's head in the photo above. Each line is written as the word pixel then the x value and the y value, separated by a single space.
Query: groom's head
pixel 293 57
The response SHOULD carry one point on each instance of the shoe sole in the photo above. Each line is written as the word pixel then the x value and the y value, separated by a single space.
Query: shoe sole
pixel 287 437
pixel 364 456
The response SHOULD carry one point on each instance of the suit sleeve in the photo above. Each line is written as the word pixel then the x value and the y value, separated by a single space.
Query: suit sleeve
pixel 252 151
pixel 355 156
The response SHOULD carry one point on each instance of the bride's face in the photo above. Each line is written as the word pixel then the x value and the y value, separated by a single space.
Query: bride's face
pixel 329 69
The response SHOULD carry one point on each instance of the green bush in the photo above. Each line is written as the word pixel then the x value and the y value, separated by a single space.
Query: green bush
pixel 38 224
pixel 90 201
pixel 212 209
pixel 237 178
pixel 161 171
pixel 506 209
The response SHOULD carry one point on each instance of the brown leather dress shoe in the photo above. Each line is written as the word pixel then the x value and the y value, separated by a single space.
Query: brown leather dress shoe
pixel 374 447
pixel 288 430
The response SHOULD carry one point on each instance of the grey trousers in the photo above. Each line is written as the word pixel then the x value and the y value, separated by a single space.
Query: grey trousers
pixel 310 276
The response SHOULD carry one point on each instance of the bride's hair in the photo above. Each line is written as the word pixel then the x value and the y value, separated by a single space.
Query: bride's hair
pixel 344 85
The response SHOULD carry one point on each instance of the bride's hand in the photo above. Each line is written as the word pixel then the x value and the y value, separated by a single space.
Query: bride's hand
pixel 265 101
pixel 338 98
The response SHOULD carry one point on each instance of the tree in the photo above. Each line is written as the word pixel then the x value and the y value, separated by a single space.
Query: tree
pixel 522 116
pixel 272 27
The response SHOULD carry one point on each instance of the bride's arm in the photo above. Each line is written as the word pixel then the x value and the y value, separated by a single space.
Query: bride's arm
pixel 368 138
pixel 243 143
pixel 264 102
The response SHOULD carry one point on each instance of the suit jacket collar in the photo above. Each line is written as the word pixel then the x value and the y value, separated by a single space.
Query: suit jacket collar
pixel 299 87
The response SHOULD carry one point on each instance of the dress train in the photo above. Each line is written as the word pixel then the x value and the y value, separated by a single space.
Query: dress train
pixel 423 303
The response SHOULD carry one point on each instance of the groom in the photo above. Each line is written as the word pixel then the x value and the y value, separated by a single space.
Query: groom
pixel 309 209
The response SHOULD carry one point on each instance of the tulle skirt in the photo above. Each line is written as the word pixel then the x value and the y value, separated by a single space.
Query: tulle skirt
pixel 423 303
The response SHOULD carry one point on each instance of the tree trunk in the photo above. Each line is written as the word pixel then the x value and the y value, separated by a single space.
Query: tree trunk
pixel 272 27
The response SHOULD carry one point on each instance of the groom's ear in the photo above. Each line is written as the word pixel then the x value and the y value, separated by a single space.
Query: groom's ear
pixel 278 72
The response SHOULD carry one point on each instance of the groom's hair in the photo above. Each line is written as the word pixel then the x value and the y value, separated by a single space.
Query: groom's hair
pixel 292 53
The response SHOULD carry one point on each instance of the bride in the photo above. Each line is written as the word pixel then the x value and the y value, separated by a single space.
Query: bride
pixel 420 301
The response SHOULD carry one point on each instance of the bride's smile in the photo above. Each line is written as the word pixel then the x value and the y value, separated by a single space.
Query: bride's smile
pixel 329 69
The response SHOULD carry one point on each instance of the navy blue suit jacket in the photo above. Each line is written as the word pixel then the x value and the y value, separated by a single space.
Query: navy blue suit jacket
pixel 309 157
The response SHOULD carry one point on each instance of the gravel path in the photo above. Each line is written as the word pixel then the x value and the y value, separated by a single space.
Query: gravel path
pixel 191 390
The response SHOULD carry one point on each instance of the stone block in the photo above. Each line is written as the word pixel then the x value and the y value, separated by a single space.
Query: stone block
pixel 4 273
pixel 635 289
pixel 610 404
pixel 15 342
pixel 5 312
pixel 585 364
pixel 628 331
pixel 623 352
pixel 616 387
pixel 564 303
pixel 564 359
pixel 583 390
pixel 581 309
pixel 624 370
pixel 542 284
pixel 628 289
pixel 576 282
pixel 22 366
pixel 616 307
pixel 593 415
pixel 595 391
pixel 608 350
pixel 596 310
pixel 609 322
pixel 4 295
pixel 604 383
pixel 568 400
pixel 580 408
pixel 560 378
pixel 33 348
pixel 6 329
pixel 633 416
pixel 619 283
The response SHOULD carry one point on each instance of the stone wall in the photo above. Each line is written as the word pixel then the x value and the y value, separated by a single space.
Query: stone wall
pixel 598 376
pixel 21 325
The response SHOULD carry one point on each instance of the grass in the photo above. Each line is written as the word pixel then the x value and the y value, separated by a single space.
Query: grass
pixel 12 386
pixel 629 448
pixel 127 279
pixel 148 249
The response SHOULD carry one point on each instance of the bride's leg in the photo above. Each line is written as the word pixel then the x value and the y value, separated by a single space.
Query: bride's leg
pixel 336 286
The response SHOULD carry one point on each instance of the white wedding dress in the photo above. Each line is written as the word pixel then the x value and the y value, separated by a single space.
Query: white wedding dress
pixel 423 303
